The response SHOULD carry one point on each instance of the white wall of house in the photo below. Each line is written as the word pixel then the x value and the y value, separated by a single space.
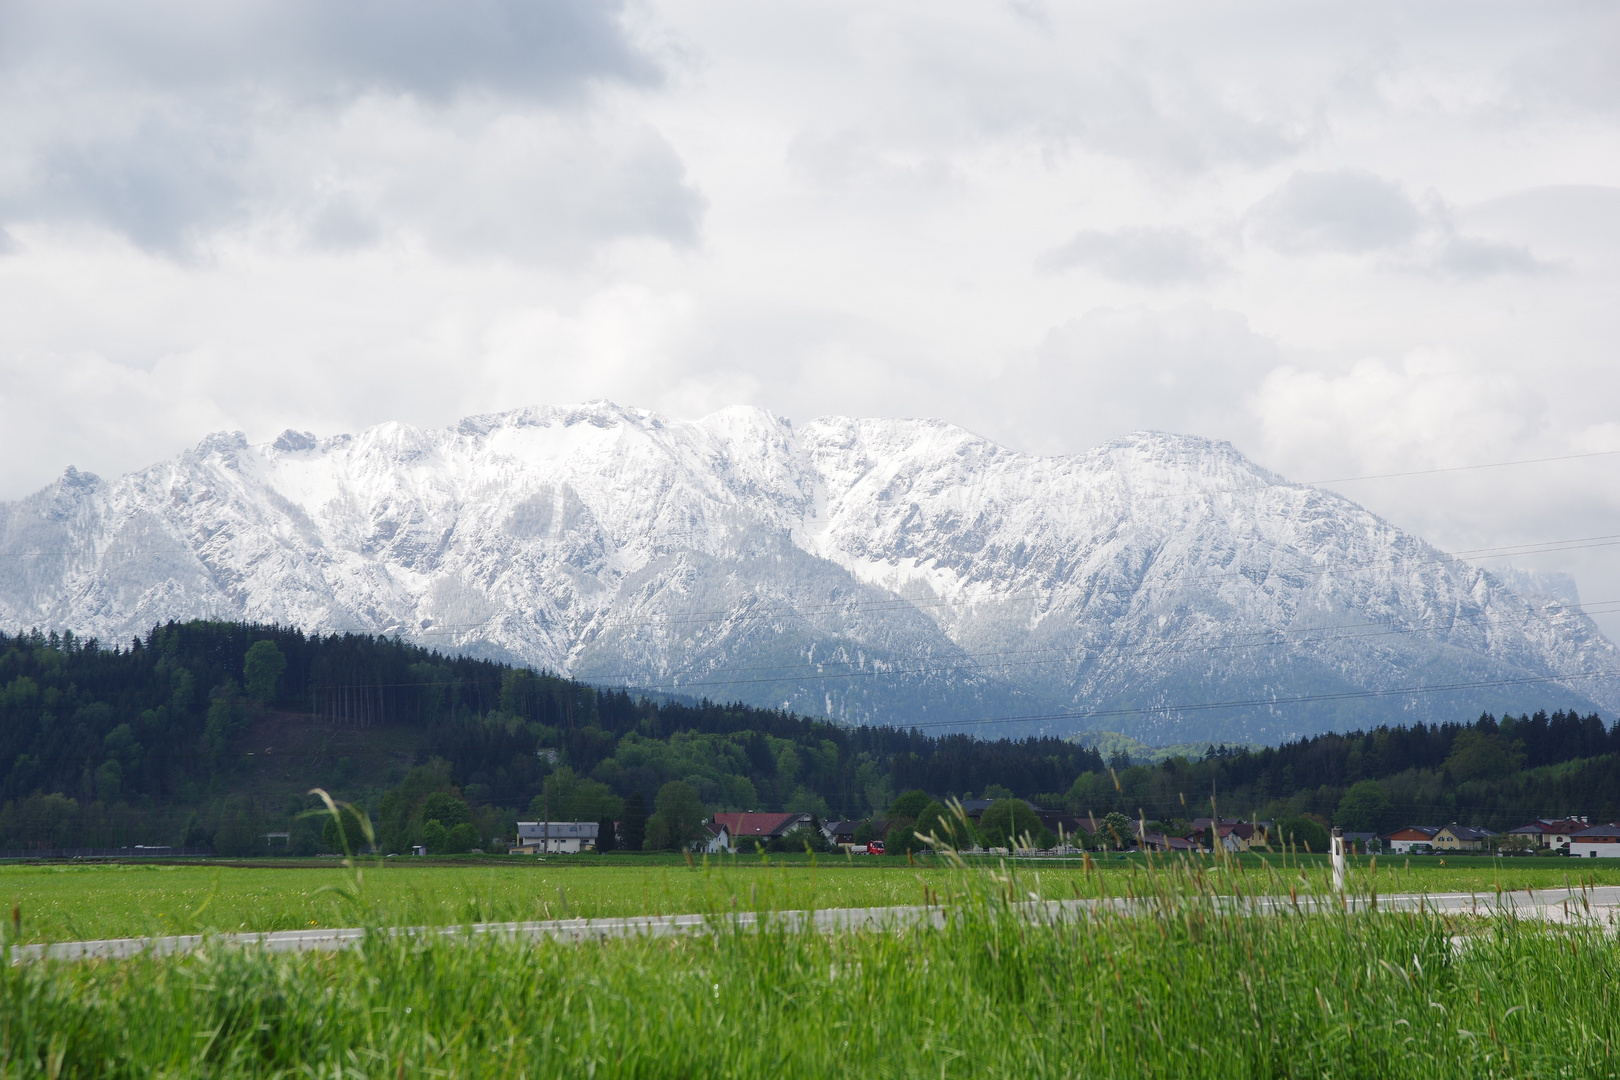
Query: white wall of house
pixel 562 837
pixel 1585 850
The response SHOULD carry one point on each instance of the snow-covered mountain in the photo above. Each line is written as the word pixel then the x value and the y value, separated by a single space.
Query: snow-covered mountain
pixel 898 571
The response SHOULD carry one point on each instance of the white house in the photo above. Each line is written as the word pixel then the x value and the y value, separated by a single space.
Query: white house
pixel 555 837
pixel 1598 842
pixel 1403 840
pixel 716 839
pixel 1552 833
pixel 840 833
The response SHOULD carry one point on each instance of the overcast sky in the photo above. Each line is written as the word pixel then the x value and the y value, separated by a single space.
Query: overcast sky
pixel 1352 239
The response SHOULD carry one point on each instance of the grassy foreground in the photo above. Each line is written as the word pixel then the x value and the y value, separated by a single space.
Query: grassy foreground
pixel 1184 993
pixel 76 902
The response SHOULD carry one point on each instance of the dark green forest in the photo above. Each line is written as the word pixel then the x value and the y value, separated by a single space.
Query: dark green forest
pixel 208 735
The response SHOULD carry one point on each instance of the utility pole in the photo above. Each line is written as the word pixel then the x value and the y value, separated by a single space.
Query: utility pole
pixel 1336 858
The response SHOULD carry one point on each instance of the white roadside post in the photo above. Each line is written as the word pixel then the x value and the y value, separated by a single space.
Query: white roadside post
pixel 1336 858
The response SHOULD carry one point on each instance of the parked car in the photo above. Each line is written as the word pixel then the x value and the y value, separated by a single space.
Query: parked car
pixel 875 847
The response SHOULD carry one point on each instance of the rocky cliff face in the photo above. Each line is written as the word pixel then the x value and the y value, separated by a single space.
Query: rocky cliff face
pixel 897 571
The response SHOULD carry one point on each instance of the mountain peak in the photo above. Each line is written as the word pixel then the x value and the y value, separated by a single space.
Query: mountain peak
pixel 896 570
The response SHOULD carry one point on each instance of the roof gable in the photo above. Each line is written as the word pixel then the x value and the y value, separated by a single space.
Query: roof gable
pixel 755 823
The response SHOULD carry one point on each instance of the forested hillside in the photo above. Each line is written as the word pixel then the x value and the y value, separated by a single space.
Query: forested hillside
pixel 166 739
pixel 208 735
pixel 1495 773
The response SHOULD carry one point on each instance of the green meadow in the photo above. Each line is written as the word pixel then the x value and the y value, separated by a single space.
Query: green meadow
pixel 59 902
pixel 1178 990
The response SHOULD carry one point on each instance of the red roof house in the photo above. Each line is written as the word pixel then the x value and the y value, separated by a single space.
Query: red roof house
pixel 753 825
pixel 1551 832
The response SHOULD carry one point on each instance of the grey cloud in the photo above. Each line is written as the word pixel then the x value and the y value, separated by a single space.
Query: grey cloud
pixel 159 184
pixel 571 191
pixel 548 48
pixel 470 124
pixel 343 222
pixel 1346 211
pixel 1142 256
pixel 1353 212
pixel 1465 256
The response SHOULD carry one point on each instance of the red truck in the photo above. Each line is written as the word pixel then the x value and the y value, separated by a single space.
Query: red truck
pixel 874 847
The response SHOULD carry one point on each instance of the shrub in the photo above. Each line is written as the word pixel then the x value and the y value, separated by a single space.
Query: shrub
pixel 261 669
pixel 635 823
pixel 353 832
pixel 946 824
pixel 679 818
pixel 1114 832
pixel 800 837
pixel 1303 833
pixel 461 839
pixel 1364 808
pixel 910 805
pixel 1006 823
pixel 901 839
pixel 239 830
pixel 447 808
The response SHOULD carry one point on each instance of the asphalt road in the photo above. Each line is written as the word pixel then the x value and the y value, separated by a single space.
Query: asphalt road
pixel 1594 905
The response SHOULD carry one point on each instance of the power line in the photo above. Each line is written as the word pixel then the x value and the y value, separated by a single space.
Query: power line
pixel 1464 468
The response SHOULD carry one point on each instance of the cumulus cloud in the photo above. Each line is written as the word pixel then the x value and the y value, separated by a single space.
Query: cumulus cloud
pixel 1430 409
pixel 1346 211
pixel 1354 212
pixel 1143 255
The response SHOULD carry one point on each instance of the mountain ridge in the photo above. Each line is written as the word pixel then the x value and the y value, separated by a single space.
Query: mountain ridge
pixel 873 570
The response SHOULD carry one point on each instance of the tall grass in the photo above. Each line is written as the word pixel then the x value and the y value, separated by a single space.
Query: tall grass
pixel 1175 982
pixel 73 902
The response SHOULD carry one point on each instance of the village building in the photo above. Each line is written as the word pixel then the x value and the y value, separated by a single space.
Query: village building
pixel 1234 834
pixel 754 827
pixel 1597 842
pixel 716 839
pixel 1155 841
pixel 1551 833
pixel 555 837
pixel 840 833
pixel 1456 837
pixel 1403 840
